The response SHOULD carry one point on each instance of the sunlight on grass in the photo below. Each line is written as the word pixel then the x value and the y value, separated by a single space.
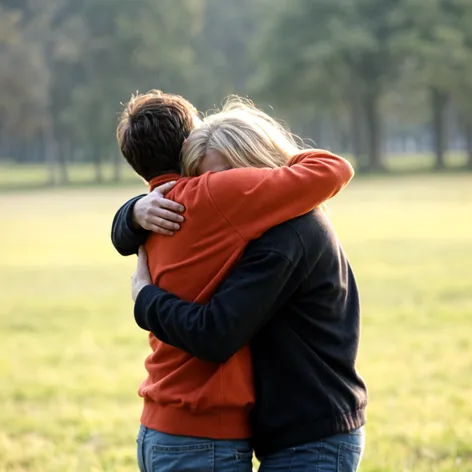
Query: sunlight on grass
pixel 13 176
pixel 72 357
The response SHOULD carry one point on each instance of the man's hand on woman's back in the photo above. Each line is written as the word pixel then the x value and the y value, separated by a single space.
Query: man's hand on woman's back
pixel 158 214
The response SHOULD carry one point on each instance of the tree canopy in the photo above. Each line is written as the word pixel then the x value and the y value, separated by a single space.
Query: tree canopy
pixel 352 70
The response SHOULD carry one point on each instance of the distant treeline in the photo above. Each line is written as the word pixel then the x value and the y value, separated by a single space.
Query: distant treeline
pixel 363 77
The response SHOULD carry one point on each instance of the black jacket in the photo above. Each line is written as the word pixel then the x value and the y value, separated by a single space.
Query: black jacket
pixel 293 297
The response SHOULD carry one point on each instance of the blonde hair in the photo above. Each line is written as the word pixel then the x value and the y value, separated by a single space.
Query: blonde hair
pixel 244 135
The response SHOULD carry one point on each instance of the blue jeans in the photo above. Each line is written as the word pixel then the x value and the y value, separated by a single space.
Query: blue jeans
pixel 340 453
pixel 160 452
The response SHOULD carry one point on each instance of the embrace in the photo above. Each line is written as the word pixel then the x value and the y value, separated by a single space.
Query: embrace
pixel 250 303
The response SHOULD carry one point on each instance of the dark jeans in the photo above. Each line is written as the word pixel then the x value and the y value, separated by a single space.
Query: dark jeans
pixel 160 452
pixel 340 453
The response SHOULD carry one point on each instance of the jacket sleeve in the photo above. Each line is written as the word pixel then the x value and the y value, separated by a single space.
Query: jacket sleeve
pixel 253 200
pixel 124 236
pixel 245 301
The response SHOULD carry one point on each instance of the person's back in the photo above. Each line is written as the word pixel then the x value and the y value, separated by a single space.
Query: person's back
pixel 303 325
pixel 182 393
pixel 305 355
pixel 191 264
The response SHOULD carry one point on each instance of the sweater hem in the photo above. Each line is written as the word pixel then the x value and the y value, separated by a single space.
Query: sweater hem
pixel 265 443
pixel 225 424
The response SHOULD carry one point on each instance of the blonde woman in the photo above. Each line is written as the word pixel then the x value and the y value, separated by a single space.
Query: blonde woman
pixel 196 412
pixel 239 136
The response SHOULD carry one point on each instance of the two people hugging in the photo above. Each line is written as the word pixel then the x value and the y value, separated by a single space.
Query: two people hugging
pixel 250 303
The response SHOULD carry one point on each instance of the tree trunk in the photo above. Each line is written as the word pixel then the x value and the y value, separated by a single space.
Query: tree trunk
pixel 374 131
pixel 4 143
pixel 50 154
pixel 117 167
pixel 468 140
pixel 357 131
pixel 63 164
pixel 344 141
pixel 404 143
pixel 97 160
pixel 438 105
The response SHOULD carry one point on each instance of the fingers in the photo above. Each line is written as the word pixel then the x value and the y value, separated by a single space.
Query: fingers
pixel 141 276
pixel 164 188
pixel 142 259
pixel 142 271
pixel 158 214
pixel 159 230
pixel 163 202
pixel 167 215
pixel 142 255
pixel 163 219
pixel 172 206
pixel 163 223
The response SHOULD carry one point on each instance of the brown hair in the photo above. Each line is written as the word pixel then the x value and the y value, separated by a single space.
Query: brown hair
pixel 152 130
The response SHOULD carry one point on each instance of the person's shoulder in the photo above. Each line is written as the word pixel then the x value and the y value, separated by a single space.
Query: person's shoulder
pixel 282 239
pixel 193 189
pixel 221 184
pixel 314 221
pixel 296 239
pixel 313 228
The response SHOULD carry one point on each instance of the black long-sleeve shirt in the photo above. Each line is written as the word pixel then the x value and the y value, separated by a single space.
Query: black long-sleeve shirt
pixel 124 236
pixel 294 299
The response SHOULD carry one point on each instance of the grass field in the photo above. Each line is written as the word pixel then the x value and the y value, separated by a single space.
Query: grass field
pixel 71 356
pixel 15 176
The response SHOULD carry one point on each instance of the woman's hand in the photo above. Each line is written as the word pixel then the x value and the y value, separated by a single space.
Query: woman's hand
pixel 141 277
pixel 157 214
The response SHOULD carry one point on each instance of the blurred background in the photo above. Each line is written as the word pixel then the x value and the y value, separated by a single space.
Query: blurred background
pixel 386 83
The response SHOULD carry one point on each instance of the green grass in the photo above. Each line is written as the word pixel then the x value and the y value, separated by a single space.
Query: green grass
pixel 423 162
pixel 17 176
pixel 71 357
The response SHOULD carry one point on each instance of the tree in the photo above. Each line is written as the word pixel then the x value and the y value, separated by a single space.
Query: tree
pixel 434 46
pixel 334 52
pixel 331 67
pixel 462 93
pixel 23 76
pixel 123 51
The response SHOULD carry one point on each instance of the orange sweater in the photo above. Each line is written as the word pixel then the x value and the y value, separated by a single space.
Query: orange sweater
pixel 224 211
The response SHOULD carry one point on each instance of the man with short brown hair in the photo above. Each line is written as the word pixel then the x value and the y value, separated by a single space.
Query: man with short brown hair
pixel 152 130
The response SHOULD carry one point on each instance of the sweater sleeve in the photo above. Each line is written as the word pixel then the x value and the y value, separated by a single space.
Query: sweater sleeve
pixel 253 200
pixel 124 236
pixel 214 332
